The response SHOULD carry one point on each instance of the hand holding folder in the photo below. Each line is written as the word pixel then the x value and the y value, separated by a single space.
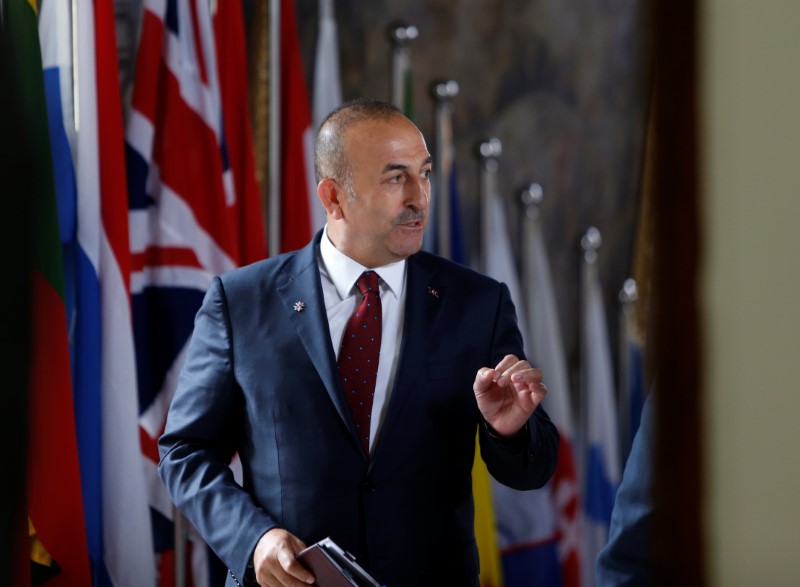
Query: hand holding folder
pixel 334 567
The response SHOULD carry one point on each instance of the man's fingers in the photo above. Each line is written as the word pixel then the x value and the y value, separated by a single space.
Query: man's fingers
pixel 533 392
pixel 293 568
pixel 285 558
pixel 275 560
pixel 506 363
pixel 483 379
pixel 524 375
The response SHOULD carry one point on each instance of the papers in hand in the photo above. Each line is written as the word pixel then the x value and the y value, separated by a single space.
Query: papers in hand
pixel 334 567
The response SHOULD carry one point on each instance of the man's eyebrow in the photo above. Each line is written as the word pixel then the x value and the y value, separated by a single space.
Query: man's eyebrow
pixel 403 166
pixel 394 167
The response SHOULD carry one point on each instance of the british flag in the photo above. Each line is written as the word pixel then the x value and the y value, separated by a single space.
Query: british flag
pixel 190 216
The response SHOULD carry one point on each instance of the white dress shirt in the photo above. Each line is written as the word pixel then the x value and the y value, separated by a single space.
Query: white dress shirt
pixel 339 274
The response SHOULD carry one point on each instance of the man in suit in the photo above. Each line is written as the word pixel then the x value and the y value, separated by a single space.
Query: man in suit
pixel 385 468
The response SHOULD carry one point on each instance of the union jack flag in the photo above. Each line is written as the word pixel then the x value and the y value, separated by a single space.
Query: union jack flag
pixel 190 216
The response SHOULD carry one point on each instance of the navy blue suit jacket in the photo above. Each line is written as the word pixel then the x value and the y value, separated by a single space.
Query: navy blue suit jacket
pixel 260 378
pixel 624 559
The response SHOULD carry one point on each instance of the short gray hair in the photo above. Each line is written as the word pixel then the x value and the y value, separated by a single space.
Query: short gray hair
pixel 330 159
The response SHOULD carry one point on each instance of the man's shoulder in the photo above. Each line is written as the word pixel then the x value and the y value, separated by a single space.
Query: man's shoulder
pixel 451 272
pixel 267 270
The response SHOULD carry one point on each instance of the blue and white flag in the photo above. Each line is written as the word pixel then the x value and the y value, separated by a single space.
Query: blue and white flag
pixel 526 520
pixel 600 452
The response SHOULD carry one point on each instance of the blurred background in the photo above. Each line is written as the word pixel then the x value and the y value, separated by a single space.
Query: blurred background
pixel 654 141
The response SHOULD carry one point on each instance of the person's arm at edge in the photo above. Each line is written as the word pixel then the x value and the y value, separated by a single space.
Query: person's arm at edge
pixel 202 435
pixel 624 560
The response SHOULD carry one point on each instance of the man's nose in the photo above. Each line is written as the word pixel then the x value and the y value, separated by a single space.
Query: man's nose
pixel 419 193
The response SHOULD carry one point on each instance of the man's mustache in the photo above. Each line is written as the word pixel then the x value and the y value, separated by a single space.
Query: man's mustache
pixel 409 216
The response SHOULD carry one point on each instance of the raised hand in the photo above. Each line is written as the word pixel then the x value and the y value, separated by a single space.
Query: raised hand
pixel 508 394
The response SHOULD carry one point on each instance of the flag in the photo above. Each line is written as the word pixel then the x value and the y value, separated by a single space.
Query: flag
pixel 103 238
pixel 246 212
pixel 55 32
pixel 53 494
pixel 458 245
pixel 298 182
pixel 402 80
pixel 445 235
pixel 402 94
pixel 547 352
pixel 526 525
pixel 93 212
pixel 327 84
pixel 491 574
pixel 600 457
pixel 457 249
pixel 327 77
pixel 631 388
pixel 184 215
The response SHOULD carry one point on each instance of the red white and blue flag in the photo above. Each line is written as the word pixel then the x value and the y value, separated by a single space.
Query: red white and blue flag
pixel 547 352
pixel 185 215
pixel 90 180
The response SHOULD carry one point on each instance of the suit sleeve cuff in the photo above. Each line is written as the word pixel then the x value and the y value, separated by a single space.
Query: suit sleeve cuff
pixel 514 444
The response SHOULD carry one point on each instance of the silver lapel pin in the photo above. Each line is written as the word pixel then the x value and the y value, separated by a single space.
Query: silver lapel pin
pixel 433 292
pixel 299 306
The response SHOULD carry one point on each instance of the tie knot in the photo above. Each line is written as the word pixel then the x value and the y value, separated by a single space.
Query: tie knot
pixel 368 283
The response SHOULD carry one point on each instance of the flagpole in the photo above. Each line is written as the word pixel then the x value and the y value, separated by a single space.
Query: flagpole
pixel 180 548
pixel 76 119
pixel 590 242
pixel 488 152
pixel 259 102
pixel 443 93
pixel 531 198
pixel 627 314
pixel 274 194
pixel 400 35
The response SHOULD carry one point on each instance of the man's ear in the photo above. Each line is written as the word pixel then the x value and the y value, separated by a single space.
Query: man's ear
pixel 329 192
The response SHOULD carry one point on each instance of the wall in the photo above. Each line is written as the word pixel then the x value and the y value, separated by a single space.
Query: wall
pixel 751 278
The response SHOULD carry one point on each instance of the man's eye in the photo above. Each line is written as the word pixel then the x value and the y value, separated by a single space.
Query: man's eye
pixel 427 173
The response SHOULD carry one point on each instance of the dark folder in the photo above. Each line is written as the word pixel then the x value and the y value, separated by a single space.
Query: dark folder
pixel 334 567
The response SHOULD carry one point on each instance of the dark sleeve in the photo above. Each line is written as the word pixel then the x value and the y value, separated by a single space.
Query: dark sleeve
pixel 624 558
pixel 529 463
pixel 202 434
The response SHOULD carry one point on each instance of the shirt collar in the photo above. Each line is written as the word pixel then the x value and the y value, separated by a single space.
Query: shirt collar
pixel 344 271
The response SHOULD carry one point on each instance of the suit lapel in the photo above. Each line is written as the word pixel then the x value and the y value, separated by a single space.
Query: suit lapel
pixel 424 299
pixel 302 299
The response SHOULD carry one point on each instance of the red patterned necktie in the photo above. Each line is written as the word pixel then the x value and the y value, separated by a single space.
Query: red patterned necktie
pixel 358 357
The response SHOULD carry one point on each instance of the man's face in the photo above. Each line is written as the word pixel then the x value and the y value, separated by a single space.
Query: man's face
pixel 390 178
